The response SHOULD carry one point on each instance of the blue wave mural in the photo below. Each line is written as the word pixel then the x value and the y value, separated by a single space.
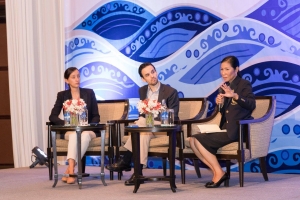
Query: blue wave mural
pixel 277 79
pixel 107 81
pixel 150 38
pixel 186 44
pixel 282 15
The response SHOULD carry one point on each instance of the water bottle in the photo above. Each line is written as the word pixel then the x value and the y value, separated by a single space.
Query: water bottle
pixel 84 117
pixel 164 114
pixel 67 118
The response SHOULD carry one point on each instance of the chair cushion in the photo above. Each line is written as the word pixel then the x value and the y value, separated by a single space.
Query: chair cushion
pixel 187 142
pixel 125 138
pixel 65 149
pixel 93 143
pixel 97 142
pixel 97 148
pixel 234 152
pixel 162 141
pixel 163 150
pixel 229 147
pixel 62 143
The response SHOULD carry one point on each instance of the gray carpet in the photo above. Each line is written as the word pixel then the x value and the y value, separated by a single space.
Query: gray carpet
pixel 33 184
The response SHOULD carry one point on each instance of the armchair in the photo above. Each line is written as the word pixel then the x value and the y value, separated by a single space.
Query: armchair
pixel 108 110
pixel 254 137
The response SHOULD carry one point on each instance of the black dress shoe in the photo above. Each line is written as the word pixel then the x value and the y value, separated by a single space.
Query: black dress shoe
pixel 208 183
pixel 217 184
pixel 119 166
pixel 131 181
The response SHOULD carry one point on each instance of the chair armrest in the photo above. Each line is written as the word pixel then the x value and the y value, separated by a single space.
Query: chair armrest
pixel 189 122
pixel 263 118
pixel 122 121
pixel 195 121
pixel 49 134
pixel 252 124
pixel 253 121
pixel 49 123
pixel 117 140
pixel 245 123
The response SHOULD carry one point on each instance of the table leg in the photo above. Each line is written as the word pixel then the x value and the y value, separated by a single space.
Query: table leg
pixel 172 149
pixel 135 138
pixel 53 136
pixel 79 173
pixel 102 157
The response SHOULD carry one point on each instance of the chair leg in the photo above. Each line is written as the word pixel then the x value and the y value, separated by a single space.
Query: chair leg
pixel 111 173
pixel 263 168
pixel 50 162
pixel 110 160
pixel 241 173
pixel 83 162
pixel 226 183
pixel 118 157
pixel 197 169
pixel 164 162
pixel 120 174
pixel 182 167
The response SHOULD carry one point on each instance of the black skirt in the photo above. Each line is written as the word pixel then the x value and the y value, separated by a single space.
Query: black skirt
pixel 213 141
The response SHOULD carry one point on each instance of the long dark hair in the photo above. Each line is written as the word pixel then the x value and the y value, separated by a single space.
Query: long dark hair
pixel 234 63
pixel 69 71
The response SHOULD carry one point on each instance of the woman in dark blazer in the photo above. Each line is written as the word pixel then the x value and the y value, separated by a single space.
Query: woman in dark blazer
pixel 72 78
pixel 237 102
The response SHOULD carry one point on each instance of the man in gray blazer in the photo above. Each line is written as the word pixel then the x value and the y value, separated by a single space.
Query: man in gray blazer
pixel 155 90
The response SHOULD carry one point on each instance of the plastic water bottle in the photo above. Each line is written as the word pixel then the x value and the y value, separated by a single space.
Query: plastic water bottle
pixel 164 114
pixel 67 118
pixel 84 117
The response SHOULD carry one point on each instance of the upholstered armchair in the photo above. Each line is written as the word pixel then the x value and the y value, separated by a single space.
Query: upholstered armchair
pixel 189 109
pixel 108 110
pixel 254 137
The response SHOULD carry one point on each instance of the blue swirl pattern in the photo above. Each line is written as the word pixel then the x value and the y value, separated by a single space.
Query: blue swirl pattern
pixel 109 82
pixel 282 161
pixel 149 38
pixel 186 45
pixel 277 79
pixel 283 15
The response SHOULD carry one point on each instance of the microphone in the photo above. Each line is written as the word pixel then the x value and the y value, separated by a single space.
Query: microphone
pixel 221 91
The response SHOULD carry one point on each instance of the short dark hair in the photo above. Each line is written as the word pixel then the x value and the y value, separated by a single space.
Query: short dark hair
pixel 69 71
pixel 234 63
pixel 142 66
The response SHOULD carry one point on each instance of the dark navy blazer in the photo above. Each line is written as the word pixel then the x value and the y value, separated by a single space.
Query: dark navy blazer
pixel 234 110
pixel 86 94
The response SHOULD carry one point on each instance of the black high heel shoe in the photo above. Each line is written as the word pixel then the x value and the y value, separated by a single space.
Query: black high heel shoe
pixel 209 183
pixel 217 184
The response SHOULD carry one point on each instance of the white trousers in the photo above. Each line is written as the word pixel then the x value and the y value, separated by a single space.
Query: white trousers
pixel 86 137
pixel 145 138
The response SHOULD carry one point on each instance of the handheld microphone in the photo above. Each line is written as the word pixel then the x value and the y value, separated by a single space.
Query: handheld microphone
pixel 221 91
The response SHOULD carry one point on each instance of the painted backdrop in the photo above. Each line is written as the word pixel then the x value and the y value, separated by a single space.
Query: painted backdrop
pixel 186 40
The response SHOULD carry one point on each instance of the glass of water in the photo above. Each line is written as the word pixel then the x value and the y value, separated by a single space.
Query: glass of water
pixel 171 117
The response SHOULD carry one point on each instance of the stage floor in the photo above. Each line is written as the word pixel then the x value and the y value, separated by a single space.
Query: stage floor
pixel 25 183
